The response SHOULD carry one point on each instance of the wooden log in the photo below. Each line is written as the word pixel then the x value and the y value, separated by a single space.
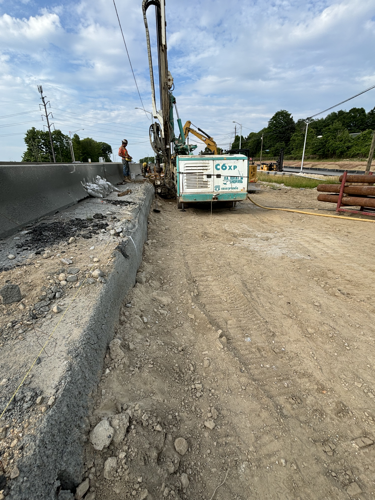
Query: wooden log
pixel 356 190
pixel 370 179
pixel 348 200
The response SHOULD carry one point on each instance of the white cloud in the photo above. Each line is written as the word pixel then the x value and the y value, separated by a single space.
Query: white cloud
pixel 20 32
pixel 230 60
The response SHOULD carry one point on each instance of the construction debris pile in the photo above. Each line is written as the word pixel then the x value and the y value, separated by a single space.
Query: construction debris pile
pixel 99 188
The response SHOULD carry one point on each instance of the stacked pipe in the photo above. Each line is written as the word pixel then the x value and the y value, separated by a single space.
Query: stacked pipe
pixel 362 195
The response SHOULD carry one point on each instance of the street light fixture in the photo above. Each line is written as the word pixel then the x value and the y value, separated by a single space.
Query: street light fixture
pixel 241 131
pixel 70 133
pixel 145 110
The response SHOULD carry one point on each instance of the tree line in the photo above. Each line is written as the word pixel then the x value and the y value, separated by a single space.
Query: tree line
pixel 39 147
pixel 341 134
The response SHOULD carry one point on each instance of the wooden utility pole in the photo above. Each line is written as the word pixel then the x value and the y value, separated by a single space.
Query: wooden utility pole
pixel 40 90
pixel 371 154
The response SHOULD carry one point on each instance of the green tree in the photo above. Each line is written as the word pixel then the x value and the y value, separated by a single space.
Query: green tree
pixel 253 142
pixel 361 145
pixel 279 131
pixel 91 149
pixel 355 120
pixel 147 159
pixel 298 138
pixel 370 119
pixel 36 147
pixel 236 142
pixel 76 141
pixel 335 143
pixel 61 146
pixel 106 151
pixel 39 146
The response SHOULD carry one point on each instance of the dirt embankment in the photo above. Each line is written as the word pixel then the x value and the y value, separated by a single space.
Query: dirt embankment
pixel 242 365
pixel 329 165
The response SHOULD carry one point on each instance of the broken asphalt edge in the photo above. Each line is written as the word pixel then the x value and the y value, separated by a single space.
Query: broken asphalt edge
pixel 55 456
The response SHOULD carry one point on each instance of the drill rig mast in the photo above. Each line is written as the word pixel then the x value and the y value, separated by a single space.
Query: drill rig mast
pixel 162 131
pixel 159 132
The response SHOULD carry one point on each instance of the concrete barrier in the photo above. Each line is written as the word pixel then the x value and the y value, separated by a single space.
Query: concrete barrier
pixel 54 453
pixel 31 191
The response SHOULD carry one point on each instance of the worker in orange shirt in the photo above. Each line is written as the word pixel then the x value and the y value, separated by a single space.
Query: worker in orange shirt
pixel 126 158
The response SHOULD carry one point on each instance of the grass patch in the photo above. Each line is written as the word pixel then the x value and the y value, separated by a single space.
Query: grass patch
pixel 295 182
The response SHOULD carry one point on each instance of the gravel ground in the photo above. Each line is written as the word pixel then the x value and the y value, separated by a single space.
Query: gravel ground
pixel 242 365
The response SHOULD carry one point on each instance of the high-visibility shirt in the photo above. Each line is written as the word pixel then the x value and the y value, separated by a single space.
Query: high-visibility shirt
pixel 123 153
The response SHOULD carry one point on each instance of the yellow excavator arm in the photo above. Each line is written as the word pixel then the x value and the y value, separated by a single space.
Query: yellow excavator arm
pixel 209 142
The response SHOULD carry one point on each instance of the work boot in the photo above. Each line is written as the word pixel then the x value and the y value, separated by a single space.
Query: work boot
pixel 127 178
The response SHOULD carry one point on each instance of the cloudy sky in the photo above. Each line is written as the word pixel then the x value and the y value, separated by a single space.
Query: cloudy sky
pixel 237 60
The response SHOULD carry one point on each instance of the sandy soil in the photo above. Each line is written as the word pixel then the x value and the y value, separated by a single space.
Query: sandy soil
pixel 250 336
pixel 341 164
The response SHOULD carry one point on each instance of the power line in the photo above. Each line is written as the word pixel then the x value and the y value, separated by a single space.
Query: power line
pixel 17 123
pixel 131 66
pixel 342 102
pixel 22 113
pixel 101 121
pixel 15 133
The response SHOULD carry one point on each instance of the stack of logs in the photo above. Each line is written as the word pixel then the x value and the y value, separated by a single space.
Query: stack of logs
pixel 354 190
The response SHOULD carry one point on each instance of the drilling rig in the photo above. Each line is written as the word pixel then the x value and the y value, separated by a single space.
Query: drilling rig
pixel 191 178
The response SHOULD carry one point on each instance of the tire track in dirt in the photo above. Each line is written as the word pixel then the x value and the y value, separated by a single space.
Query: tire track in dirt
pixel 293 394
pixel 260 363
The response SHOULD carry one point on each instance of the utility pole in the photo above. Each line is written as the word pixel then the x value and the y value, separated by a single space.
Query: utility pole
pixel 371 154
pixel 240 131
pixel 40 90
pixel 261 150
pixel 304 144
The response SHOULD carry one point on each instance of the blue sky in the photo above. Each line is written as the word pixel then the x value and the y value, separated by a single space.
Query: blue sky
pixel 235 60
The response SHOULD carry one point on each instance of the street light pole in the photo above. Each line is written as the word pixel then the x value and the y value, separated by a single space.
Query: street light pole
pixel 240 132
pixel 71 143
pixel 304 144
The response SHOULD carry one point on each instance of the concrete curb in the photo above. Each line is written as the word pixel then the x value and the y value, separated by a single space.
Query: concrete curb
pixel 55 456
pixel 29 192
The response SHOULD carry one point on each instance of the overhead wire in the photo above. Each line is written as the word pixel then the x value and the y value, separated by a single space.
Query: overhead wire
pixel 342 102
pixel 15 133
pixel 131 66
pixel 15 124
pixel 80 116
pixel 22 113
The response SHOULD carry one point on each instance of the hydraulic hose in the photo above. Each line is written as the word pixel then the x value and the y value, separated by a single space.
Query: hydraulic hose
pixel 310 213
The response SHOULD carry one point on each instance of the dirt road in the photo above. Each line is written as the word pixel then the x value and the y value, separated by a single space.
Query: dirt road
pixel 251 336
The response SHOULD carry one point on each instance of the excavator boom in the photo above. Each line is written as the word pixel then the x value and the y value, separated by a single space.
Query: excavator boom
pixel 210 143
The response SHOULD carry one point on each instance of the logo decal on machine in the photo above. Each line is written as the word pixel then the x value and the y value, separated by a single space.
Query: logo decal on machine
pixel 224 166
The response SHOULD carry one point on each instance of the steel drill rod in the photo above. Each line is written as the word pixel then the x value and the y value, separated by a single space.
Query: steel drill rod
pixel 356 190
pixel 370 179
pixel 348 200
